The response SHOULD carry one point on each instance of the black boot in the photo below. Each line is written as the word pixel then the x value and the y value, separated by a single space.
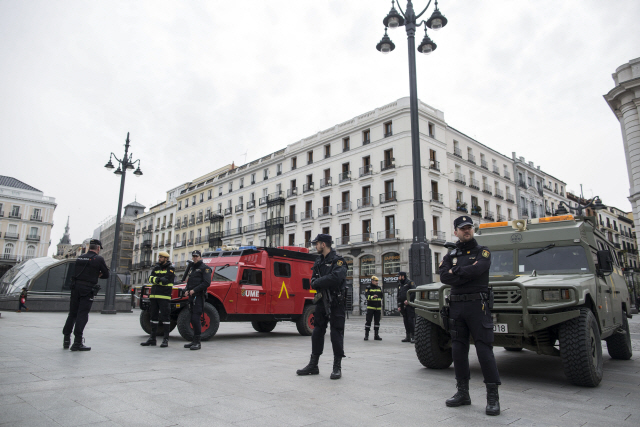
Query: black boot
pixel 366 334
pixel 165 341
pixel 196 343
pixel 150 341
pixel 188 345
pixel 413 340
pixel 311 368
pixel 462 395
pixel 337 368
pixel 376 335
pixel 493 400
pixel 79 345
pixel 407 339
pixel 66 342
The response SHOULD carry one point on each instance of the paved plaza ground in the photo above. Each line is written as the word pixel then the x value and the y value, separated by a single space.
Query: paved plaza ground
pixel 246 378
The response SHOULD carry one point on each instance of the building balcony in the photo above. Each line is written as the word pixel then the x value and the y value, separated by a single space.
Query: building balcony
pixel 344 176
pixel 232 232
pixel 366 170
pixel 192 221
pixel 457 152
pixel 324 211
pixel 386 235
pixel 476 211
pixel 509 198
pixel 484 164
pixel 199 240
pixel 487 189
pixel 168 243
pixel 36 218
pixel 14 215
pixel 499 194
pixel 522 184
pixel 306 215
pixel 365 202
pixel 146 243
pixel 501 218
pixel 33 237
pixel 157 228
pixel 1 214
pixel 239 208
pixel 7 258
pixel 438 237
pixel 262 200
pixel 489 216
pixel 275 197
pixel 389 196
pixel 292 192
pixel 460 178
pixel 534 214
pixel 507 175
pixel 325 182
pixel 138 231
pixel 146 264
pixel 290 219
pixel 161 245
pixel 12 236
pixel 228 211
pixel 190 242
pixel 155 245
pixel 344 207
pixel 434 165
pixel 366 142
pixel 177 225
pixel 387 164
pixel 471 158
pixel 474 184
pixel 178 244
pixel 496 170
pixel 136 247
pixel 524 212
pixel 251 204
pixel 307 187
pixel 199 220
pixel 253 227
pixel 436 197
pixel 366 238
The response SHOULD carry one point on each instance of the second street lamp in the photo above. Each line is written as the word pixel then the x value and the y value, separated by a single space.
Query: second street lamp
pixel 125 164
pixel 420 254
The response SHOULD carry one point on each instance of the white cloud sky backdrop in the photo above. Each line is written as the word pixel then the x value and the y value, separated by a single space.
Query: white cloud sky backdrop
pixel 199 83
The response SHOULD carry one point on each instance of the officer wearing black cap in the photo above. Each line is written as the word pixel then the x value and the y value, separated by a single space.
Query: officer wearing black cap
pixel 196 289
pixel 89 268
pixel 329 280
pixel 408 312
pixel 466 269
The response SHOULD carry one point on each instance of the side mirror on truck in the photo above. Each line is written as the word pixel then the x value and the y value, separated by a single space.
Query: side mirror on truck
pixel 605 263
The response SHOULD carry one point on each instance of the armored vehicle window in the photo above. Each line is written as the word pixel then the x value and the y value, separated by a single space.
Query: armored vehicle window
pixel 282 269
pixel 556 260
pixel 501 263
pixel 225 274
pixel 251 277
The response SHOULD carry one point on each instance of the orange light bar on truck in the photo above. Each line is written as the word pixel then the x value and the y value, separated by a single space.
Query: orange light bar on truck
pixel 554 218
pixel 494 224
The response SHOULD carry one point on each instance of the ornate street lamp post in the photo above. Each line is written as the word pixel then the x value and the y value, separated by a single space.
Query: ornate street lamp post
pixel 419 255
pixel 594 203
pixel 126 163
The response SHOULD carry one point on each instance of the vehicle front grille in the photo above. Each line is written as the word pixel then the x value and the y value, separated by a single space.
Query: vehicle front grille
pixel 507 296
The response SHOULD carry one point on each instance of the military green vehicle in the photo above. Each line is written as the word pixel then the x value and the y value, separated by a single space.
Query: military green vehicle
pixel 558 289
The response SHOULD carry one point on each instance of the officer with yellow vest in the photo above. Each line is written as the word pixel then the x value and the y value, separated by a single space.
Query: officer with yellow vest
pixel 374 309
pixel 161 278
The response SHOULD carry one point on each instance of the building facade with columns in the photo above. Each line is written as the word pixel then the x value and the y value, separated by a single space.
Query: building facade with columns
pixel 624 101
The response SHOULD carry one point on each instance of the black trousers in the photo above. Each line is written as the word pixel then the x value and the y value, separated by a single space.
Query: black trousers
pixel 375 315
pixel 409 317
pixel 321 320
pixel 472 319
pixel 197 308
pixel 160 311
pixel 79 308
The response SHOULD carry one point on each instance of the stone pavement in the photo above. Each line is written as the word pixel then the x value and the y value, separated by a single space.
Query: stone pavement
pixel 246 378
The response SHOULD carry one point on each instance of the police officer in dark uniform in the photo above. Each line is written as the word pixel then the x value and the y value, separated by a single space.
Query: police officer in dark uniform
pixel 466 269
pixel 196 289
pixel 84 286
pixel 162 277
pixel 373 294
pixel 329 280
pixel 408 312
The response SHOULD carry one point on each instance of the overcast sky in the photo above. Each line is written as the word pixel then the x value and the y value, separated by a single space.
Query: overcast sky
pixel 199 83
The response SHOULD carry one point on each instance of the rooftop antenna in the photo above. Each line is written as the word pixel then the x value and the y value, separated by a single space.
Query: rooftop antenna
pixel 245 156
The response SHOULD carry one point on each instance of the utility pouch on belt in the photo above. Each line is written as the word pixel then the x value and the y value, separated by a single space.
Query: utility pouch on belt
pixel 444 314
pixel 490 299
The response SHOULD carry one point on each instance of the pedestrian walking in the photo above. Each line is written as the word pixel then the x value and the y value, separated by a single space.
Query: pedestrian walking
pixel 466 269
pixel 161 278
pixel 373 293
pixel 408 312
pixel 196 289
pixel 84 286
pixel 329 281
pixel 22 300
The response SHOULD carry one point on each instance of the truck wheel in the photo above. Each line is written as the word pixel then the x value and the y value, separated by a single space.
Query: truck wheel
pixel 619 344
pixel 305 323
pixel 145 322
pixel 513 348
pixel 209 325
pixel 263 326
pixel 433 345
pixel 581 349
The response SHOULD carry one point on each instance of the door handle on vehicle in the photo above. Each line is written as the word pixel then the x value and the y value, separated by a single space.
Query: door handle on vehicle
pixel 263 293
pixel 608 291
pixel 616 292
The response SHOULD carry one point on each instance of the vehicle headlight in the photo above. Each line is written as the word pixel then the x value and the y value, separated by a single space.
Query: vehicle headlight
pixel 556 295
pixel 433 295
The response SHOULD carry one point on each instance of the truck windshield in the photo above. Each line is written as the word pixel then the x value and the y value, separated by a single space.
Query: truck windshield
pixel 224 273
pixel 555 260
pixel 501 263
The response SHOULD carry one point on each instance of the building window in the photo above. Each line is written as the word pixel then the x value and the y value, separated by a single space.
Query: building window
pixel 179 205
pixel 345 144
pixel 349 262
pixel 327 151
pixel 242 182
pixel 186 203
pixel 388 129
pixel 220 191
pixel 292 239
pixel 294 163
pixel 253 178
pixel 391 263
pixel 209 194
pixel 366 137
pixel 432 130
pixel 265 174
pixel 367 265
pixel 193 200
pixel 279 169
pixel 230 187
pixel 309 157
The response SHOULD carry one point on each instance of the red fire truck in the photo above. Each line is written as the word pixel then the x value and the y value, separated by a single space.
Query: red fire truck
pixel 259 285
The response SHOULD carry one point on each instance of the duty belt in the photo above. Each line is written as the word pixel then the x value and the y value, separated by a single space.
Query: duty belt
pixel 467 297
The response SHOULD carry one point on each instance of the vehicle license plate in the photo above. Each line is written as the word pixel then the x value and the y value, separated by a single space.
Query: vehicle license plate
pixel 500 328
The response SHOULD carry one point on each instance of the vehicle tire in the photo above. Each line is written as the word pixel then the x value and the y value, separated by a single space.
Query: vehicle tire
pixel 513 348
pixel 619 345
pixel 145 322
pixel 263 326
pixel 209 325
pixel 581 349
pixel 305 323
pixel 433 345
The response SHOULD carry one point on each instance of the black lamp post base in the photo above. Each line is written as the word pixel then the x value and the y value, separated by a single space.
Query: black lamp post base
pixel 420 263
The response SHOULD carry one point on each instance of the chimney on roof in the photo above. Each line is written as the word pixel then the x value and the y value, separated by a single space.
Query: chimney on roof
pixel 531 164
pixel 538 167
